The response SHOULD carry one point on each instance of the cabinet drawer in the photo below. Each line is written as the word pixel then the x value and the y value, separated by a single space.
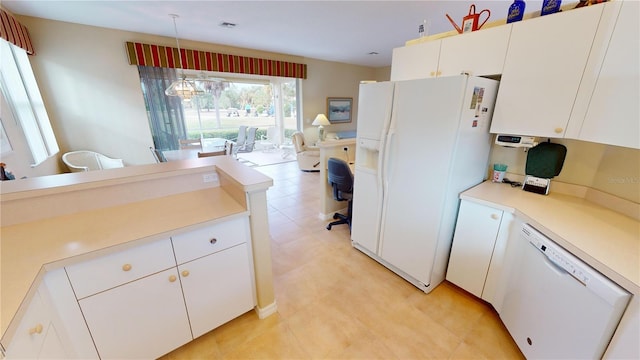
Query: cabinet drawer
pixel 210 239
pixel 109 271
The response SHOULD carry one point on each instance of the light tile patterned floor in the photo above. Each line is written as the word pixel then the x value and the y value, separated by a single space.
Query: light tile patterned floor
pixel 336 303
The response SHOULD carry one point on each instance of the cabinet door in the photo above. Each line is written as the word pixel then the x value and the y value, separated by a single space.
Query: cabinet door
pixel 217 288
pixel 496 271
pixel 473 244
pixel 48 329
pixel 415 61
pixel 542 71
pixel 30 334
pixel 143 319
pixel 52 347
pixel 476 53
pixel 613 114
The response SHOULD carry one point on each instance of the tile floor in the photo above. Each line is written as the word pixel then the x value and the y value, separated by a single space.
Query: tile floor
pixel 336 303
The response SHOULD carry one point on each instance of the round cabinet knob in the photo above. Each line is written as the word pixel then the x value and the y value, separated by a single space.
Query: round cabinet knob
pixel 433 73
pixel 558 130
pixel 494 216
pixel 126 267
pixel 185 273
pixel 36 330
pixel 213 241
pixel 172 278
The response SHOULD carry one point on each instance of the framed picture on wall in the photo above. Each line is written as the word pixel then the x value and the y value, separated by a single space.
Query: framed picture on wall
pixel 339 109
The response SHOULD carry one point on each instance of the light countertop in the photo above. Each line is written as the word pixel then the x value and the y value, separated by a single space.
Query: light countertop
pixel 605 239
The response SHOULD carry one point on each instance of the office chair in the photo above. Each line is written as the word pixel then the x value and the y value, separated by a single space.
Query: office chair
pixel 341 181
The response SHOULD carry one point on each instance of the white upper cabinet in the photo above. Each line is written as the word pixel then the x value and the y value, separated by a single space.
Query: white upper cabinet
pixel 416 61
pixel 477 53
pixel 607 108
pixel 542 72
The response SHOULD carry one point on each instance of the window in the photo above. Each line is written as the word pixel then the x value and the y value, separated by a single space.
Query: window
pixel 26 102
pixel 226 103
pixel 251 102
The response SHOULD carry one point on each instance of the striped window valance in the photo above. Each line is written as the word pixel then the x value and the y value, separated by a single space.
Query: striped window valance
pixel 14 32
pixel 164 56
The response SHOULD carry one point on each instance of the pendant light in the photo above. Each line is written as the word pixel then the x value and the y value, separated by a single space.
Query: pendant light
pixel 182 87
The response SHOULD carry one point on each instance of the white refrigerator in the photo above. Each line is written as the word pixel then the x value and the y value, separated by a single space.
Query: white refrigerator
pixel 419 144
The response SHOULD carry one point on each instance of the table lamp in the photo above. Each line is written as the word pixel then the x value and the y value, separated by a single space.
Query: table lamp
pixel 320 121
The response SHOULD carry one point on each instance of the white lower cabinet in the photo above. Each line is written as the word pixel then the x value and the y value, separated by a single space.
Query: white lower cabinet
pixel 478 247
pixel 217 288
pixel 52 326
pixel 142 309
pixel 142 319
pixel 32 332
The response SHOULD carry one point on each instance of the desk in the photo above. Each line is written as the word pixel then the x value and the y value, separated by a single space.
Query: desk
pixel 328 149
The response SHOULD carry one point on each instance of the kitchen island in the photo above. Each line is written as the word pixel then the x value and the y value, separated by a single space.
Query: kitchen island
pixel 53 222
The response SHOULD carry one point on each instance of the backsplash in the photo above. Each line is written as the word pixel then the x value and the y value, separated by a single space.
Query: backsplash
pixel 611 169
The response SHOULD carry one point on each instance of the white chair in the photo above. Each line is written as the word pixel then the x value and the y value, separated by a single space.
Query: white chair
pixel 308 156
pixel 270 142
pixel 85 160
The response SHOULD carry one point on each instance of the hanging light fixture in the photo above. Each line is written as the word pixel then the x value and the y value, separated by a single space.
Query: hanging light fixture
pixel 182 87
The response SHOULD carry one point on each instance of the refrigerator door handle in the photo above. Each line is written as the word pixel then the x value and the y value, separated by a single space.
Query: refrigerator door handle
pixel 387 156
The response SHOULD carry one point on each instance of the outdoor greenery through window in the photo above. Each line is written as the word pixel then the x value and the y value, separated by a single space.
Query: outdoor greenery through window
pixel 224 104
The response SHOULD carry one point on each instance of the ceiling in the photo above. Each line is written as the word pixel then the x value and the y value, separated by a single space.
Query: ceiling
pixel 342 31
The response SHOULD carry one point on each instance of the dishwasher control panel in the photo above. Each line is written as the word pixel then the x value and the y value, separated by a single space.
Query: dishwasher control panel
pixel 562 261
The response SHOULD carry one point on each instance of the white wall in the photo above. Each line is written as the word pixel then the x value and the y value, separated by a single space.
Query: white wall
pixel 612 169
pixel 92 94
pixel 327 79
pixel 94 98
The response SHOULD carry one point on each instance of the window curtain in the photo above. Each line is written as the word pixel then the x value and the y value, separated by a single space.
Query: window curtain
pixel 14 32
pixel 165 113
pixel 165 56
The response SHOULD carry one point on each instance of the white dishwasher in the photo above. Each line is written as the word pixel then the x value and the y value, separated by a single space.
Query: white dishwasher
pixel 555 305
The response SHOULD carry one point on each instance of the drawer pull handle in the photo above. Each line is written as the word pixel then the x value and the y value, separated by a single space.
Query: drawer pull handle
pixel 494 216
pixel 36 330
pixel 185 273
pixel 213 241
pixel 172 278
pixel 126 267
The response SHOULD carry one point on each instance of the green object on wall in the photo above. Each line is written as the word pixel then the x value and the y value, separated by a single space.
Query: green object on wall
pixel 545 160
